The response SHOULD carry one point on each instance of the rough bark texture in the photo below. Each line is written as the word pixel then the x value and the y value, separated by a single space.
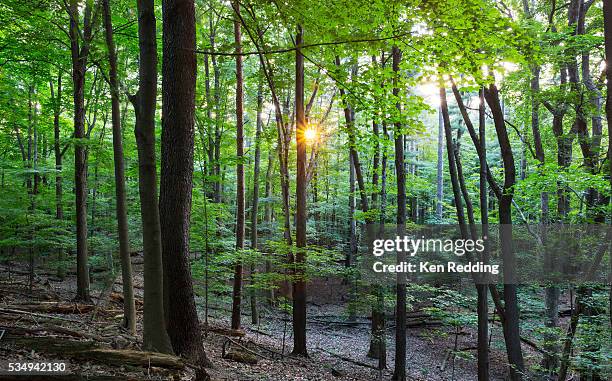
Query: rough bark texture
pixel 178 86
pixel 155 336
pixel 299 283
pixel 129 307
pixel 237 290
pixel 399 372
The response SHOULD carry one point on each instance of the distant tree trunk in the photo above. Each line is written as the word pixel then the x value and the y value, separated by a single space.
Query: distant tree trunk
pixel 129 307
pixel 440 167
pixel 352 250
pixel 607 12
pixel 551 292
pixel 268 220
pixel 299 283
pixel 236 294
pixel 283 135
pixel 349 116
pixel 452 164
pixel 178 108
pixel 155 337
pixel 255 206
pixel 79 67
pixel 511 318
pixel 378 348
pixel 483 307
pixel 399 372
pixel 219 114
pixel 59 210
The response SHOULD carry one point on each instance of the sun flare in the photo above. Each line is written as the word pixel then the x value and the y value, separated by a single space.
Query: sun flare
pixel 310 134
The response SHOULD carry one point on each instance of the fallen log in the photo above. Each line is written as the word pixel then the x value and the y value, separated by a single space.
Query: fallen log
pixel 121 357
pixel 12 311
pixel 91 351
pixel 13 330
pixel 55 307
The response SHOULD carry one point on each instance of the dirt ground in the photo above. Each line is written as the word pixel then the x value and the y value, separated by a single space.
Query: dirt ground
pixel 337 347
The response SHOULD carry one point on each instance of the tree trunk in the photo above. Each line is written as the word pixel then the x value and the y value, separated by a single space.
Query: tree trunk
pixel 236 294
pixel 178 108
pixel 607 11
pixel 155 336
pixel 299 283
pixel 399 372
pixel 59 209
pixel 349 116
pixel 440 167
pixel 511 318
pixel 79 66
pixel 268 220
pixel 255 206
pixel 129 307
pixel 452 166
pixel 352 250
pixel 483 307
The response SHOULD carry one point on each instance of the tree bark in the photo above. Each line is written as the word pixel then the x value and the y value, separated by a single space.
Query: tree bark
pixel 79 56
pixel 607 11
pixel 178 107
pixel 299 283
pixel 440 167
pixel 255 206
pixel 236 293
pixel 129 307
pixel 59 209
pixel 511 318
pixel 155 336
pixel 483 307
pixel 399 373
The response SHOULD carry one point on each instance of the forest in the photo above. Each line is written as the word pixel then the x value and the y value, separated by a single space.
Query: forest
pixel 220 190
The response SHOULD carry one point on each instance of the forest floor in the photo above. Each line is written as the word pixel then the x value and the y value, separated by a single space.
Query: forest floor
pixel 42 326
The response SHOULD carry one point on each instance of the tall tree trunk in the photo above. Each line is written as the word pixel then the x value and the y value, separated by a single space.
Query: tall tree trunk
pixel 79 67
pixel 255 206
pixel 59 209
pixel 483 301
pixel 440 167
pixel 511 318
pixel 129 307
pixel 236 294
pixel 399 373
pixel 178 107
pixel 607 13
pixel 299 283
pixel 155 336
pixel 268 220
pixel 377 347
